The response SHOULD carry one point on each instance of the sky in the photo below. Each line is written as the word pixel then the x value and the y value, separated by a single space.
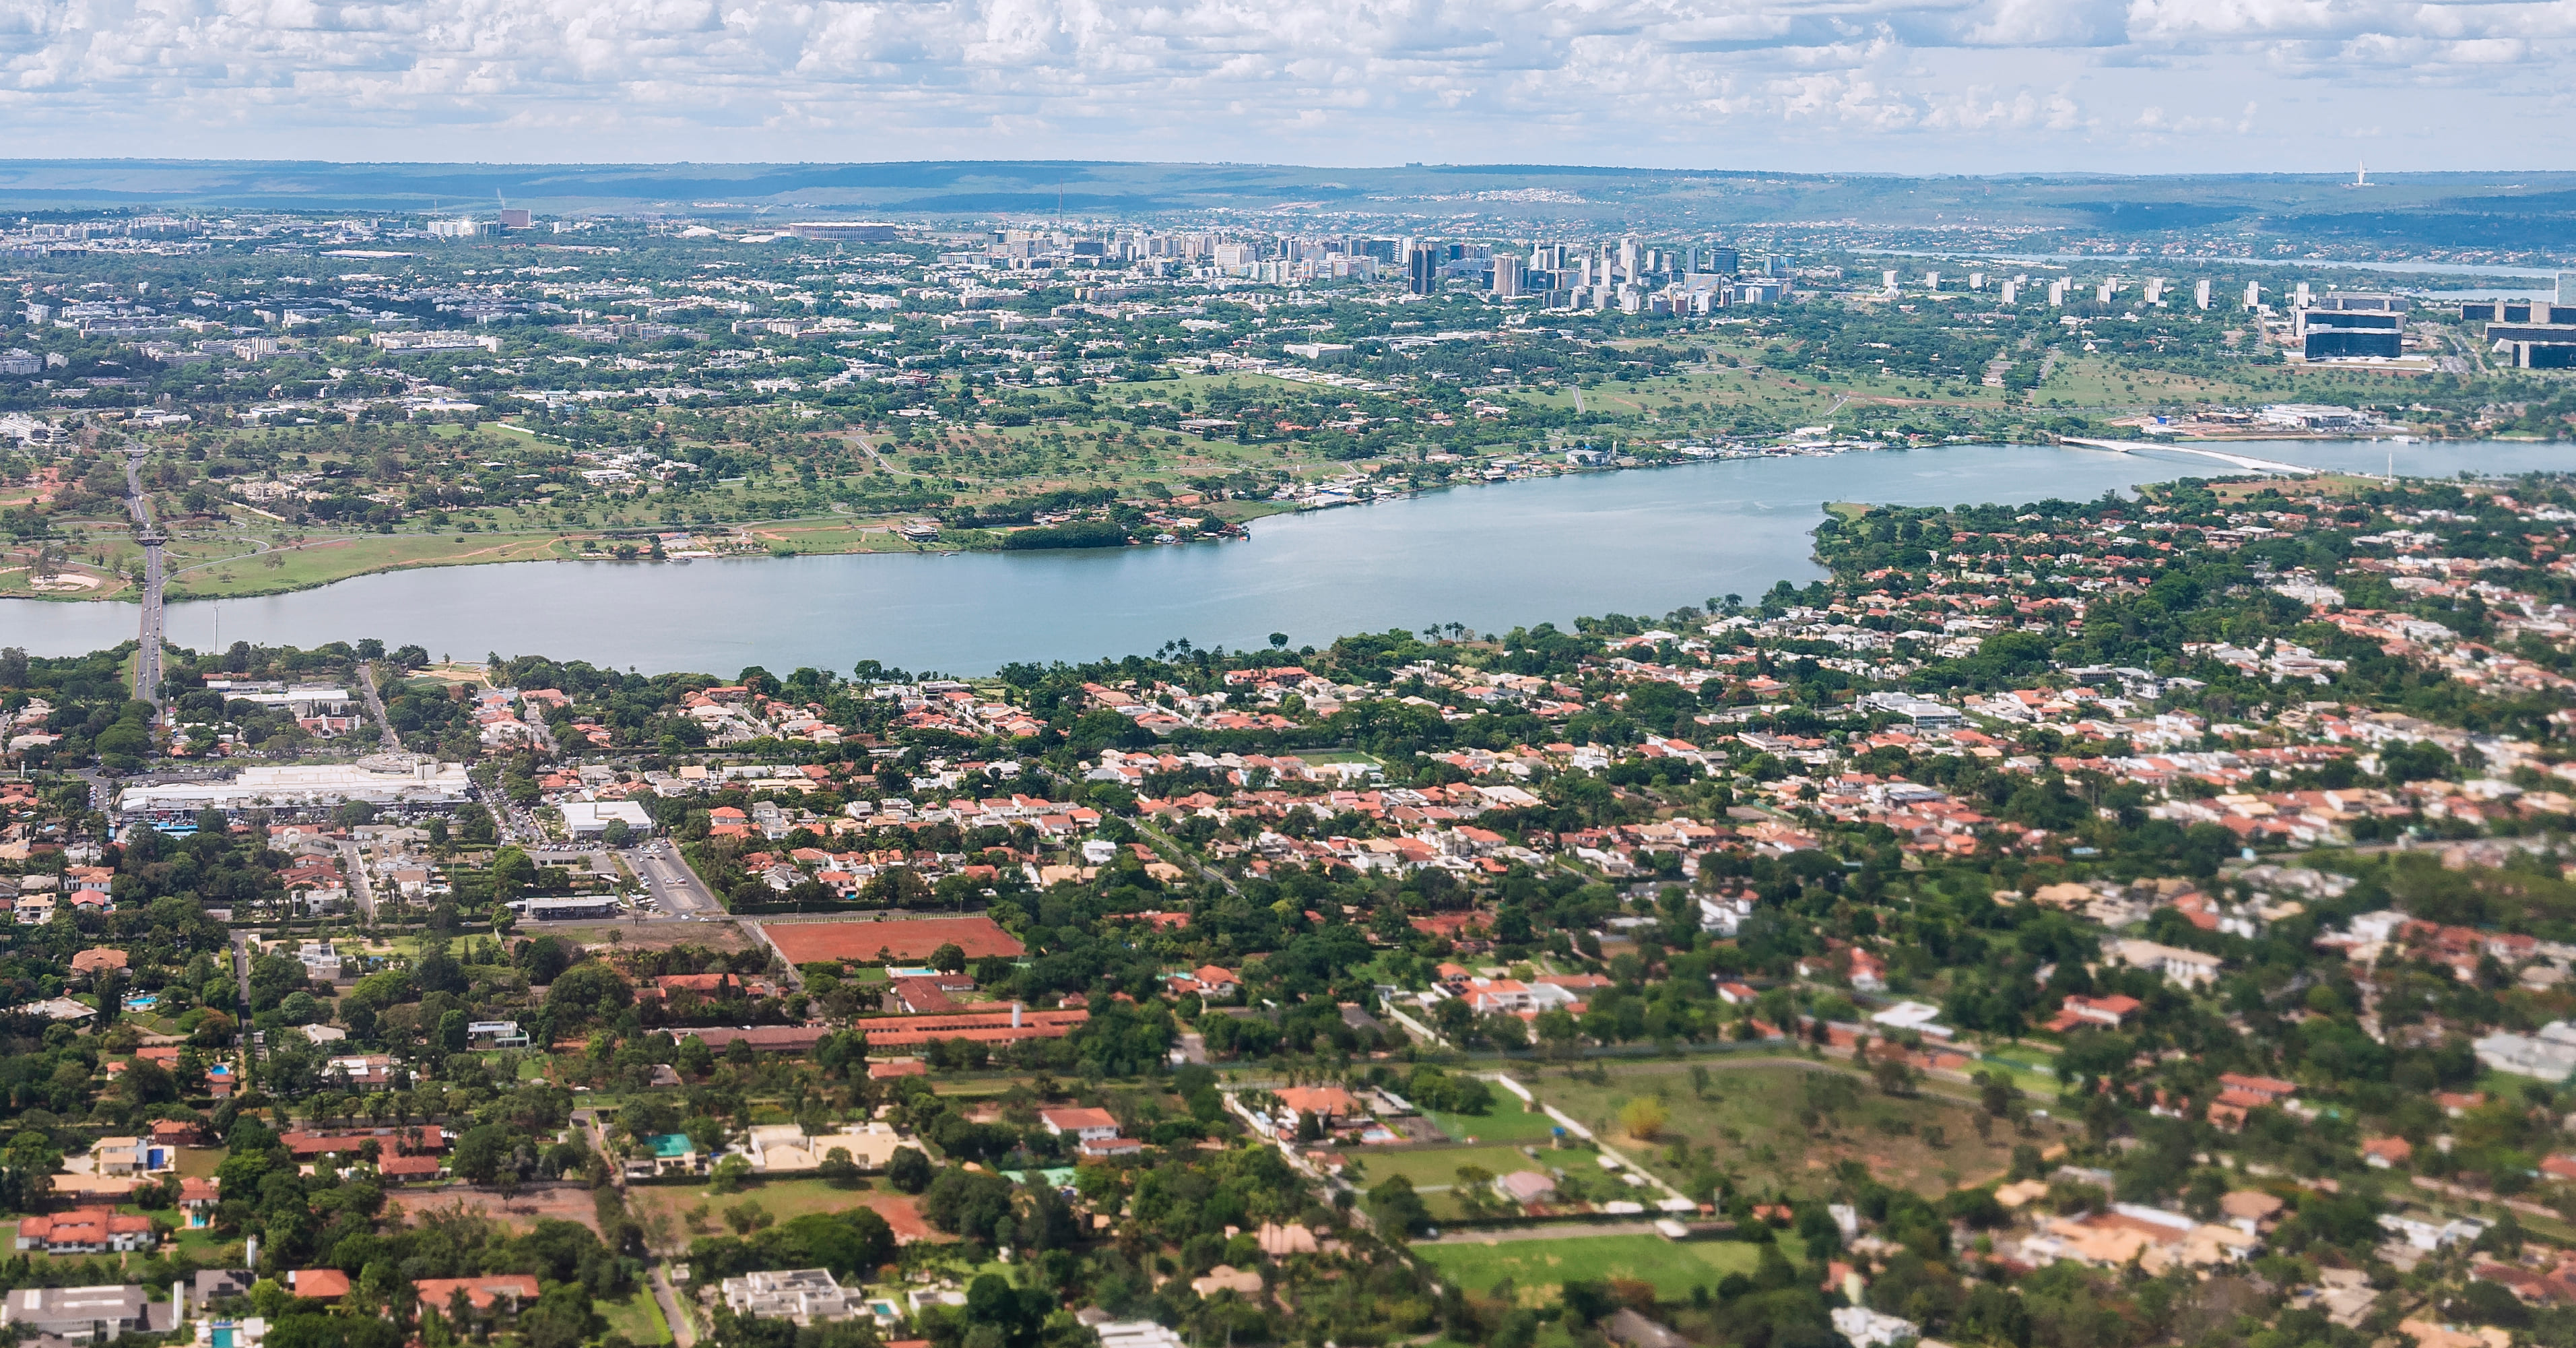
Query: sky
pixel 1917 86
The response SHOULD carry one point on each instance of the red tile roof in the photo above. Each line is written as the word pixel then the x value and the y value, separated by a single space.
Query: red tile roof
pixel 481 1293
pixel 321 1284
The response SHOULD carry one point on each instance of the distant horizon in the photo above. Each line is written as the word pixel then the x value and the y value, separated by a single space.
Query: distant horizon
pixel 2528 216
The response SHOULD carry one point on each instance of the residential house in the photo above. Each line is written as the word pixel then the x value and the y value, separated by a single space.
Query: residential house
pixel 197 1199
pixel 2111 1012
pixel 1324 1104
pixel 409 1169
pixel 318 1284
pixel 2187 967
pixel 1086 1125
pixel 784 1148
pixel 87 1314
pixel 364 1072
pixel 497 1033
pixel 98 960
pixel 131 1156
pixel 500 1294
pixel 666 1154
pixel 805 1296
pixel 85 1231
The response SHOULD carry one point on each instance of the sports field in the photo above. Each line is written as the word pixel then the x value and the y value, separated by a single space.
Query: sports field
pixel 1505 1122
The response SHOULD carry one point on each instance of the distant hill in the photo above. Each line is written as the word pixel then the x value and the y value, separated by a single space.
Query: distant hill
pixel 2507 212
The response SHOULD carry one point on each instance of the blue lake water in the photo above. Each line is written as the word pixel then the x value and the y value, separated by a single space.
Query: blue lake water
pixel 1489 557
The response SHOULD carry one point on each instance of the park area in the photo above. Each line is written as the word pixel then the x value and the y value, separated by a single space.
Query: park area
pixel 1537 1267
pixel 1790 1123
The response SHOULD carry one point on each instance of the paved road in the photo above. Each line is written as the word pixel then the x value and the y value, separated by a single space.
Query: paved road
pixel 376 707
pixel 1188 858
pixel 353 863
pixel 672 884
pixel 147 663
pixel 251 1040
pixel 683 1333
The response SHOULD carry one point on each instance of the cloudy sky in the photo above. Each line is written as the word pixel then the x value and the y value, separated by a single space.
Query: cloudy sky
pixel 1974 86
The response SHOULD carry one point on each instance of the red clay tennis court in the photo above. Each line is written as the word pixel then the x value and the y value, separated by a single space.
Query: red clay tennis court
pixel 913 938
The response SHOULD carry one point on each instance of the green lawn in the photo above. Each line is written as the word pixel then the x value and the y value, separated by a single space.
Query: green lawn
pixel 1505 1122
pixel 638 1317
pixel 1538 1267
pixel 1440 1166
pixel 1751 1116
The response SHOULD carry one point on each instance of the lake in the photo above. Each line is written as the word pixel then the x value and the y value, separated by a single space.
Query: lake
pixel 1489 557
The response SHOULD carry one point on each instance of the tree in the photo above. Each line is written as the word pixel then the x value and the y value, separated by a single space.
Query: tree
pixel 1398 1210
pixel 512 874
pixel 483 1151
pixel 838 1170
pixel 909 1170
pixel 1644 1118
pixel 28 1175
pixel 588 990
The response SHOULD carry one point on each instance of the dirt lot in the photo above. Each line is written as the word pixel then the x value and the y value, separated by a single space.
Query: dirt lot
pixel 564 1202
pixel 913 938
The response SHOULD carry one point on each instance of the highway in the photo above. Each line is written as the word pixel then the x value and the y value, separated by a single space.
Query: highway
pixel 138 503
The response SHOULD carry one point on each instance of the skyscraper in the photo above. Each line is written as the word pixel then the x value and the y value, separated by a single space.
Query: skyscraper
pixel 1507 276
pixel 1421 270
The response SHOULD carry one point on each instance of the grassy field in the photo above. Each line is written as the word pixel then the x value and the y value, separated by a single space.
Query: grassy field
pixel 1751 1117
pixel 638 1317
pixel 1538 1267
pixel 325 560
pixel 1439 1166
pixel 664 1209
pixel 1505 1122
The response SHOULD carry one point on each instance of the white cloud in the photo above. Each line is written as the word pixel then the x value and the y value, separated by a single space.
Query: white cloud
pixel 1924 84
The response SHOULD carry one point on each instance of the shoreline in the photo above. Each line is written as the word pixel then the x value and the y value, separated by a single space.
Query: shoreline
pixel 1293 510
pixel 130 594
